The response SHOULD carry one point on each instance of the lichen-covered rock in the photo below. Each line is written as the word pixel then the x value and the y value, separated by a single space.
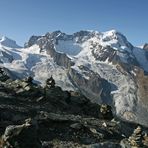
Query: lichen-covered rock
pixel 136 139
pixel 20 136
pixel 106 111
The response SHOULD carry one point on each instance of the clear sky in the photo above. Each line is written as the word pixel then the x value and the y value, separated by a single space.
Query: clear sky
pixel 19 19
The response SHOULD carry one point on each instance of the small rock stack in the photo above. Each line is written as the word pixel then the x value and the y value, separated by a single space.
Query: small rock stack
pixel 50 83
pixel 145 142
pixel 3 75
pixel 136 138
pixel 106 112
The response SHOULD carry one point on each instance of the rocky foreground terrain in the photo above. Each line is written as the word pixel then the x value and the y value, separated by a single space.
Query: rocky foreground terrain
pixel 32 116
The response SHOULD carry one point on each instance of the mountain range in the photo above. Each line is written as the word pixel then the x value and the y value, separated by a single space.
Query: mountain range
pixel 104 66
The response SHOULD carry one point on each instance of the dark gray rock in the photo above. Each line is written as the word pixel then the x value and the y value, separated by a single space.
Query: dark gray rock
pixel 91 84
pixel 21 136
pixel 145 47
pixel 32 41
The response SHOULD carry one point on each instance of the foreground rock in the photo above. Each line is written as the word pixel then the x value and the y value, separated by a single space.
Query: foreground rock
pixel 20 136
pixel 36 117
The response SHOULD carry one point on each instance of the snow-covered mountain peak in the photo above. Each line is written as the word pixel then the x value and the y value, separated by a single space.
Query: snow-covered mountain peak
pixel 111 32
pixel 98 64
pixel 110 45
pixel 115 39
pixel 59 39
pixel 5 41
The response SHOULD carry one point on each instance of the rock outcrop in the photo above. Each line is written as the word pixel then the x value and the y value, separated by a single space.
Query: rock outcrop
pixel 91 84
pixel 136 138
pixel 145 47
pixel 20 136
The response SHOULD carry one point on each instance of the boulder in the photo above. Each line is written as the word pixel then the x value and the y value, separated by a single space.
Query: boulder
pixel 21 136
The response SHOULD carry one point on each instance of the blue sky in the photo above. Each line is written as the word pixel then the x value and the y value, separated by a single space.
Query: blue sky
pixel 19 19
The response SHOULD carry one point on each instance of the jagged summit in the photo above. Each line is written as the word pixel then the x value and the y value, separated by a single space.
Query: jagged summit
pixel 72 44
pixel 116 35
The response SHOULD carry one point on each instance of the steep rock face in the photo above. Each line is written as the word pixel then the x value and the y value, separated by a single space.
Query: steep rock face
pixel 145 46
pixel 5 57
pixel 110 54
pixel 60 58
pixel 91 84
pixel 46 43
pixel 142 82
pixel 33 40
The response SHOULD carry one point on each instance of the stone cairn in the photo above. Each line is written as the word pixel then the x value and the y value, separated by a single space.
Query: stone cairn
pixel 1 71
pixel 50 83
pixel 29 80
pixel 136 138
pixel 3 75
pixel 106 111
